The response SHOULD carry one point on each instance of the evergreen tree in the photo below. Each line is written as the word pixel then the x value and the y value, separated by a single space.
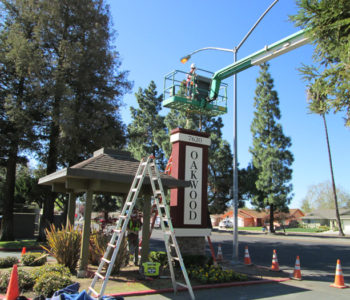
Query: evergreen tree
pixel 20 101
pixel 328 22
pixel 147 132
pixel 84 85
pixel 270 151
pixel 106 204
pixel 66 47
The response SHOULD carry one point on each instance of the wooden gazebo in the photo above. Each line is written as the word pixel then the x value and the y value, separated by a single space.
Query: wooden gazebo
pixel 108 171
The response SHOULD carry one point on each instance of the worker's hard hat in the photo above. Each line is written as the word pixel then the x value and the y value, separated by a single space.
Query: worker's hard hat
pixel 193 66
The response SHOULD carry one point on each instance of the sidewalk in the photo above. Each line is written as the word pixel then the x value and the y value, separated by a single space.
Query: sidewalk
pixel 281 234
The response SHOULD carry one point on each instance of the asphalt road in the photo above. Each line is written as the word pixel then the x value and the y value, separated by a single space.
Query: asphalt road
pixel 318 255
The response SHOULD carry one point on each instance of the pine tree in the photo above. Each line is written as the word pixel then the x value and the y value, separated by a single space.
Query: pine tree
pixel 83 84
pixel 270 151
pixel 147 132
pixel 328 22
pixel 20 101
pixel 64 47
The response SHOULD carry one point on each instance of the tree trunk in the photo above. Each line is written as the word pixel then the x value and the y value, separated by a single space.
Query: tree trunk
pixel 272 227
pixel 7 233
pixel 47 217
pixel 341 233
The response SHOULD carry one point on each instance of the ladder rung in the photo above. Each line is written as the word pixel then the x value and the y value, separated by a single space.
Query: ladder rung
pixel 128 203
pixel 122 217
pixel 92 290
pixel 143 163
pixel 139 176
pixel 106 260
pixel 176 258
pixel 155 178
pixel 112 245
pixel 182 284
pixel 134 190
pixel 117 230
pixel 158 192
pixel 100 275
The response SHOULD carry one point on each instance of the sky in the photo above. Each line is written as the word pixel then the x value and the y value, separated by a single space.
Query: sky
pixel 153 35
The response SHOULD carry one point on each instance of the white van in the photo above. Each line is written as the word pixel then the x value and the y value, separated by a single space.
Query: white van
pixel 227 223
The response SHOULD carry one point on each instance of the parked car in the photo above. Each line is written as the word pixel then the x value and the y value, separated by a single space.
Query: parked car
pixel 227 223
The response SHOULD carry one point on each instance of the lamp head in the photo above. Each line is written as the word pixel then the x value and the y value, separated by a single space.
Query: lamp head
pixel 185 59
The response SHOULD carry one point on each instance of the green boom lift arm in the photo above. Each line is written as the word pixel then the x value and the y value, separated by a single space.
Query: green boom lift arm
pixel 278 48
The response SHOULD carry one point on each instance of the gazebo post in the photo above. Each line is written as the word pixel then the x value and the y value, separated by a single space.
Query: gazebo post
pixel 71 208
pixel 84 252
pixel 146 210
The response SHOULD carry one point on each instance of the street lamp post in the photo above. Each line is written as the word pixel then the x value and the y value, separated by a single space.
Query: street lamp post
pixel 235 161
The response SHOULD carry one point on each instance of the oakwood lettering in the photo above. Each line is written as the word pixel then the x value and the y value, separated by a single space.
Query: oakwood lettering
pixel 194 183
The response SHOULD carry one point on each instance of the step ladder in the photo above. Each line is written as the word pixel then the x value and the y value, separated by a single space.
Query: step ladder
pixel 172 248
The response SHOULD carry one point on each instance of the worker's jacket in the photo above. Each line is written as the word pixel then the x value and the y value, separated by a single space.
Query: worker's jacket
pixel 134 226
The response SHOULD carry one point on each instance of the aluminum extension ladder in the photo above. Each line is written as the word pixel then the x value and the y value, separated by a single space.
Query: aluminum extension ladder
pixel 146 166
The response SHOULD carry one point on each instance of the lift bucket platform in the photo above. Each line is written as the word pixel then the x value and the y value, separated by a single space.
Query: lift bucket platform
pixel 193 97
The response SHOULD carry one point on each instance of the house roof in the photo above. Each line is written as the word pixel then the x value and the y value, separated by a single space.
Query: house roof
pixel 254 213
pixel 293 211
pixel 328 214
pixel 246 213
pixel 107 171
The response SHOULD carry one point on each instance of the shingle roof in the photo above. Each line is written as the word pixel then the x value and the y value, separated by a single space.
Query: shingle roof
pixel 107 165
pixel 327 214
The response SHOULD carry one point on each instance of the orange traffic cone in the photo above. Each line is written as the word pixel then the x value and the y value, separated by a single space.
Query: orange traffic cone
pixel 13 289
pixel 297 272
pixel 274 266
pixel 339 278
pixel 23 251
pixel 219 256
pixel 247 260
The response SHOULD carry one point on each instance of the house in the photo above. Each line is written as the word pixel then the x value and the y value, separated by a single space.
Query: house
pixel 326 217
pixel 295 216
pixel 253 218
pixel 247 217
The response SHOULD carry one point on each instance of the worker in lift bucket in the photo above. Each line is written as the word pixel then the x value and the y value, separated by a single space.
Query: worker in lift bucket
pixel 190 80
pixel 133 229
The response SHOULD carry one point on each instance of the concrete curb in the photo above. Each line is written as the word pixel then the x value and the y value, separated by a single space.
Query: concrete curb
pixel 199 287
pixel 19 250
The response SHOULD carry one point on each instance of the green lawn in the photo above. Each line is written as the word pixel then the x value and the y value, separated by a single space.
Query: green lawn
pixel 250 228
pixel 19 244
pixel 287 229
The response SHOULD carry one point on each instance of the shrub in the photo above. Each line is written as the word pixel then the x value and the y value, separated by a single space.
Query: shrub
pixel 25 280
pixel 51 282
pixel 64 245
pixel 8 262
pixel 214 274
pixel 293 224
pixel 98 246
pixel 158 256
pixel 34 259
pixel 57 268
pixel 322 228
